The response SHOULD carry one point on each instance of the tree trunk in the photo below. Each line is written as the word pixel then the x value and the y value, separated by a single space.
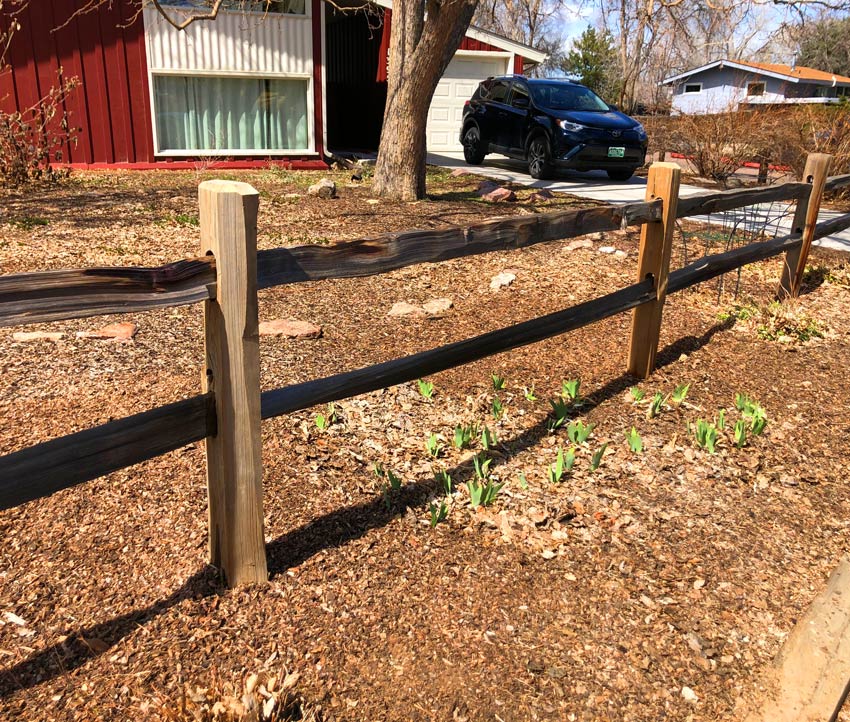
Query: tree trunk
pixel 423 40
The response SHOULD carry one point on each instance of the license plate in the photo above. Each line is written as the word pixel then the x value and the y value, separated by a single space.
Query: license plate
pixel 616 152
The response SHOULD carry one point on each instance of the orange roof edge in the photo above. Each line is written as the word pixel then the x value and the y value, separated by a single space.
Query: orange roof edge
pixel 801 71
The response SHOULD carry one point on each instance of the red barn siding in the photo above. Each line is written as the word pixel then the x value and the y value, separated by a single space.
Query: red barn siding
pixel 478 45
pixel 105 50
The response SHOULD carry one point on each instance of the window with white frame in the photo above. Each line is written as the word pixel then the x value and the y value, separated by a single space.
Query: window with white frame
pixel 691 88
pixel 200 113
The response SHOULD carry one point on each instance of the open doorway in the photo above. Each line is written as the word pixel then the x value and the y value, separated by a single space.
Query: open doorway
pixel 355 99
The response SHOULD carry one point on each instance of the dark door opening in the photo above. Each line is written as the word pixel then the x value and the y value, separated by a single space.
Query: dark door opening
pixel 354 99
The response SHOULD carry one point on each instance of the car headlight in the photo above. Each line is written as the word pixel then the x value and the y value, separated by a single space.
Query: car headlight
pixel 641 131
pixel 571 127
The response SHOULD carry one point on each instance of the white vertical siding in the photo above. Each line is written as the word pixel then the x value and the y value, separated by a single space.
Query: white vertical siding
pixel 232 43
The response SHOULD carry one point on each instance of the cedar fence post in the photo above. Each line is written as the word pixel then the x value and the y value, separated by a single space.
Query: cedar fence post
pixel 228 215
pixel 805 220
pixel 656 245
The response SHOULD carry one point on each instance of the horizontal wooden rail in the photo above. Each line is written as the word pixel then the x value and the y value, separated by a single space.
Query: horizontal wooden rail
pixel 371 256
pixel 69 460
pixel 424 363
pixel 832 226
pixel 715 265
pixel 706 203
pixel 61 295
pixel 836 182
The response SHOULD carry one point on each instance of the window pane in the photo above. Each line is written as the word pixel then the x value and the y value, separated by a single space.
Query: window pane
pixel 498 91
pixel 201 113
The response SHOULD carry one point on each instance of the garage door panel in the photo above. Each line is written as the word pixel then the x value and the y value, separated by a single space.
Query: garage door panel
pixel 456 87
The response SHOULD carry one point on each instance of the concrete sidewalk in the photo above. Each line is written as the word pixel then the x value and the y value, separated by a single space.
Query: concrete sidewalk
pixel 597 186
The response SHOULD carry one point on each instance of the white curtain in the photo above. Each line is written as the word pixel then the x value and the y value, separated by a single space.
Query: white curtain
pixel 250 114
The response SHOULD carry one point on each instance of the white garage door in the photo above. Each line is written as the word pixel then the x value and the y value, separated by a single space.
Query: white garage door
pixel 456 87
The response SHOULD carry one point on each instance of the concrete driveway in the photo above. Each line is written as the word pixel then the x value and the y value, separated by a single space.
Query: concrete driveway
pixel 597 185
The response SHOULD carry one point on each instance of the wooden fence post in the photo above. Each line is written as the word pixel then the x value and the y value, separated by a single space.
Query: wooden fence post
pixel 656 245
pixel 228 214
pixel 805 220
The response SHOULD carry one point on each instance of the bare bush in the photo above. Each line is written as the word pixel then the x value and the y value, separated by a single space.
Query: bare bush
pixel 31 140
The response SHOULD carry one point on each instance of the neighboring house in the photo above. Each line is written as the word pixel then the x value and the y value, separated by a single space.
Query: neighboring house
pixel 287 85
pixel 731 85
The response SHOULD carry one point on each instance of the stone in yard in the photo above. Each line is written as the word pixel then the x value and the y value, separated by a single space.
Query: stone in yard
pixel 607 249
pixel 689 694
pixel 437 305
pixel 124 331
pixel 486 186
pixel 38 336
pixel 460 171
pixel 500 280
pixel 323 189
pixel 538 197
pixel 372 201
pixel 620 254
pixel 403 308
pixel 583 243
pixel 290 328
pixel 500 194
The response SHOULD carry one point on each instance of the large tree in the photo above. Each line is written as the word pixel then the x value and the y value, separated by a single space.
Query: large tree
pixel 825 44
pixel 424 36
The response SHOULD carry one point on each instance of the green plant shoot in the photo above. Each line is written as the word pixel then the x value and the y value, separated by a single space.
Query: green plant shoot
pixel 596 459
pixel 635 441
pixel 679 393
pixel 637 394
pixel 426 389
pixel 570 389
pixel 498 382
pixel 438 513
pixel 578 432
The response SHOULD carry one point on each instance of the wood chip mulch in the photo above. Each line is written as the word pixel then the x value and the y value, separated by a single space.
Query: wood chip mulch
pixel 659 586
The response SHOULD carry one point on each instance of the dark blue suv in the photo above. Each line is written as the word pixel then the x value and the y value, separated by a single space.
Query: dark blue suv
pixel 550 124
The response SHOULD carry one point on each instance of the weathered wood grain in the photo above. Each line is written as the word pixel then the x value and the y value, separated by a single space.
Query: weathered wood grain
pixel 61 295
pixel 836 182
pixel 371 256
pixel 717 264
pixel 68 460
pixel 656 246
pixel 833 225
pixel 228 213
pixel 805 220
pixel 706 203
pixel 408 368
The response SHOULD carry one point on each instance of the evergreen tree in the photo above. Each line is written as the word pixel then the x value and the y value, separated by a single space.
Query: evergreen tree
pixel 592 61
pixel 825 45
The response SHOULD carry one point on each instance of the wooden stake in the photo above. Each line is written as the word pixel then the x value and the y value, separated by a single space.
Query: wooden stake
pixel 228 214
pixel 805 220
pixel 656 245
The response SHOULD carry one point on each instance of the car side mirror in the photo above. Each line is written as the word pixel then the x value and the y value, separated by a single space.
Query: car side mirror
pixel 612 107
pixel 520 103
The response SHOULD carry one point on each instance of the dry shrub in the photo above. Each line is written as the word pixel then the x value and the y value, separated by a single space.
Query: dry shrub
pixel 721 143
pixel 31 140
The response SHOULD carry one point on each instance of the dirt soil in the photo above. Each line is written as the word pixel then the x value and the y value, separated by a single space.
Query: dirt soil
pixel 659 586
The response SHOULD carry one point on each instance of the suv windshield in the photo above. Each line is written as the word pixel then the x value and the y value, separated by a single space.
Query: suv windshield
pixel 561 96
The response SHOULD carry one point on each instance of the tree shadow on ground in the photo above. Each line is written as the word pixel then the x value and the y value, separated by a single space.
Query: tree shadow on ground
pixel 295 547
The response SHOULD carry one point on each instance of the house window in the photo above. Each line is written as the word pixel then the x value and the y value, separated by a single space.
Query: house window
pixel 693 88
pixel 755 88
pixel 289 7
pixel 230 115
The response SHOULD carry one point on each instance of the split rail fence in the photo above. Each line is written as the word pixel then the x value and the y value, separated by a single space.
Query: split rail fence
pixel 228 412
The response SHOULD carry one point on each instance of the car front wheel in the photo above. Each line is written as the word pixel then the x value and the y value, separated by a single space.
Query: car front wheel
pixel 540 158
pixel 473 147
pixel 622 174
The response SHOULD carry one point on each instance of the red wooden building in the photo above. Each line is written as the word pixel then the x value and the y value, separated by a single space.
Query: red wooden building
pixel 248 88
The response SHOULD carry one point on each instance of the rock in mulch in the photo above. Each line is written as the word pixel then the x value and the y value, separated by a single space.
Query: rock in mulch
pixel 38 336
pixel 583 243
pixel 432 308
pixel 607 249
pixel 486 186
pixel 403 308
pixel 500 195
pixel 290 328
pixel 501 280
pixel 323 189
pixel 620 254
pixel 437 306
pixel 541 195
pixel 459 171
pixel 113 332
